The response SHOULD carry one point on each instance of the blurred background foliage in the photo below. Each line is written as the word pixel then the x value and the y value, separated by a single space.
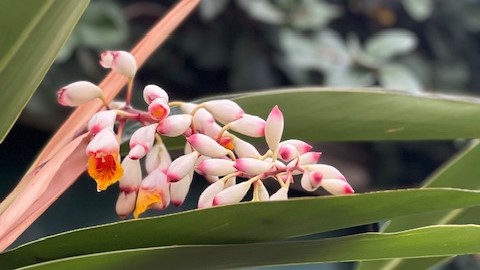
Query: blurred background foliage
pixel 229 46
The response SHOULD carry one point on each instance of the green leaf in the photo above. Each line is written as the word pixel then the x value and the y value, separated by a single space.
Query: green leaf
pixel 241 223
pixel 32 34
pixel 429 241
pixel 210 9
pixel 462 171
pixel 364 114
pixel 389 43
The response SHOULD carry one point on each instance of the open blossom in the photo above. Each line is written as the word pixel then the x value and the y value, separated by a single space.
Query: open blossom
pixel 104 159
pixel 154 192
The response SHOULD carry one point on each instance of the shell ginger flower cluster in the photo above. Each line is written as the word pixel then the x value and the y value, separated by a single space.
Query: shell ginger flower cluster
pixel 230 164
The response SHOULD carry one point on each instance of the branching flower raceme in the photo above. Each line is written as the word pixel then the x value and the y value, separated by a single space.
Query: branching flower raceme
pixel 230 164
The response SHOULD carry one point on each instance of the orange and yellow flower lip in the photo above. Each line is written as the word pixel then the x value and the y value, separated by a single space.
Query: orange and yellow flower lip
pixel 105 169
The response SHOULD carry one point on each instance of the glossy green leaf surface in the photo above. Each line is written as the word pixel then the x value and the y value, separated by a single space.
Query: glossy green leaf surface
pixel 241 223
pixel 429 241
pixel 32 33
pixel 462 171
pixel 364 114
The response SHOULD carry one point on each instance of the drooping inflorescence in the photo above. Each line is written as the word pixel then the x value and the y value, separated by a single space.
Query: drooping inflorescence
pixel 212 149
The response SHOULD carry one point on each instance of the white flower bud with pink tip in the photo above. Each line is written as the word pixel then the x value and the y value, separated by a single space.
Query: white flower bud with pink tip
pixel 249 125
pixel 119 61
pixel 181 167
pixel 157 157
pixel 287 152
pixel 274 128
pixel 78 93
pixel 129 184
pixel 201 118
pixel 280 195
pixel 207 146
pixel 311 180
pixel 142 141
pixel 217 167
pixel 337 186
pixel 210 129
pixel 252 166
pixel 174 125
pixel 105 141
pixel 304 159
pixel 102 120
pixel 262 192
pixel 152 92
pixel 301 146
pixel 179 190
pixel 206 198
pixel 159 109
pixel 224 110
pixel 232 194
pixel 154 193
pixel 244 149
pixel 328 172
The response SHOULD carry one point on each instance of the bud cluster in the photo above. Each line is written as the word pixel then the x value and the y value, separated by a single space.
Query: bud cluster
pixel 230 164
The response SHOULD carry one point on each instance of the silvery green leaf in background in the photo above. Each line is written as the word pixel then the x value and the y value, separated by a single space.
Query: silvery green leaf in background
pixel 262 10
pixel 210 9
pixel 102 26
pixel 398 77
pixel 324 52
pixel 419 10
pixel 389 43
pixel 350 76
pixel 313 14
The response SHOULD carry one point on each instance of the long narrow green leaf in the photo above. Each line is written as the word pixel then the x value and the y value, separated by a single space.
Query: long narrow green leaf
pixel 242 223
pixel 363 114
pixel 32 33
pixel 429 241
pixel 462 171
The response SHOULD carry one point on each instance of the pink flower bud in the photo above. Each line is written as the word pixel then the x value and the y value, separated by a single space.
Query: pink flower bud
pixel 174 125
pixel 102 120
pixel 119 61
pixel 217 167
pixel 180 167
pixel 232 194
pixel 327 171
pixel 129 184
pixel 249 125
pixel 287 152
pixel 274 128
pixel 207 146
pixel 252 166
pixel 105 141
pixel 159 109
pixel 78 93
pixel 231 182
pixel 152 92
pixel 157 157
pixel 337 186
pixel 224 110
pixel 244 149
pixel 280 195
pixel 206 198
pixel 301 146
pixel 142 141
pixel 304 159
pixel 179 190
pixel 311 180
pixel 201 118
